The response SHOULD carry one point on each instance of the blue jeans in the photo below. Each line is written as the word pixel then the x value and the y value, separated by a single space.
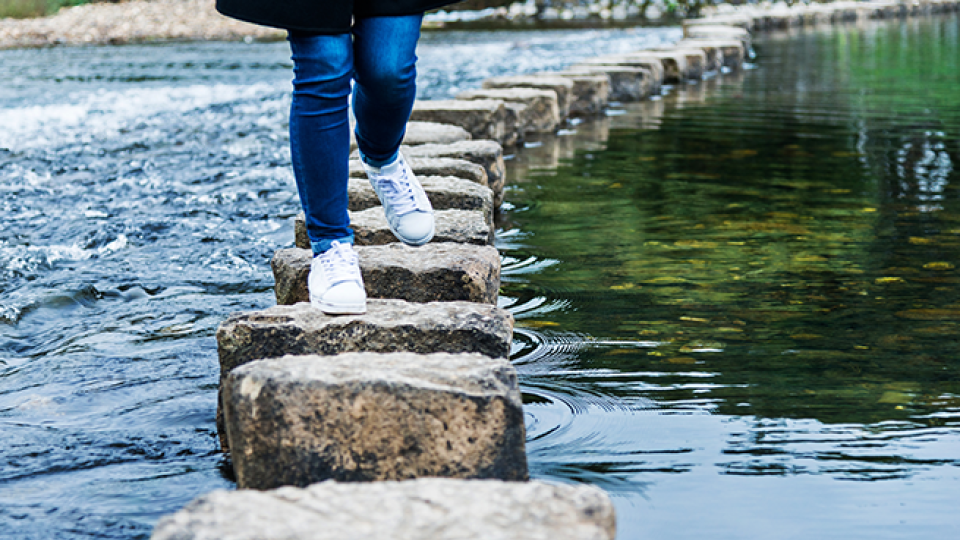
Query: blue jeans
pixel 380 55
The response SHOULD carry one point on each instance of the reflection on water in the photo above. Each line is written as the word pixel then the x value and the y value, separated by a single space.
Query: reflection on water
pixel 738 306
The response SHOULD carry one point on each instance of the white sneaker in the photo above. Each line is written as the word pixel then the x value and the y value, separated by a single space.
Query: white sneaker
pixel 405 204
pixel 335 283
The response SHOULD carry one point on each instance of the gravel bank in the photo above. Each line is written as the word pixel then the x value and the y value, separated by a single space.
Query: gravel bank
pixel 130 22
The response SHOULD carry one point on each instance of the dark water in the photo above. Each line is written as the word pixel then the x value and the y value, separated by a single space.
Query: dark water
pixel 736 305
pixel 743 320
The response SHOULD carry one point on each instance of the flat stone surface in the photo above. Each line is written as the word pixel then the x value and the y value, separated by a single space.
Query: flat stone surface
pixel 563 87
pixel 444 192
pixel 487 154
pixel 591 91
pixel 459 168
pixel 719 31
pixel 388 326
pixel 434 133
pixel 733 51
pixel 483 119
pixel 360 417
pixel 627 83
pixel 370 228
pixel 423 509
pixel 638 60
pixel 695 61
pixel 540 112
pixel 435 272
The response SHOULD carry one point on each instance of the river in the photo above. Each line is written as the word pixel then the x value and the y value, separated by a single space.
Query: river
pixel 736 305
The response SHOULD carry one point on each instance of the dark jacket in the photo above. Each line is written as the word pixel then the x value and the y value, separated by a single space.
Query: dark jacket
pixel 320 16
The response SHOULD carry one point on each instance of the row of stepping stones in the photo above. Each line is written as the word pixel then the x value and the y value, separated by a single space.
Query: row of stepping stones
pixel 328 417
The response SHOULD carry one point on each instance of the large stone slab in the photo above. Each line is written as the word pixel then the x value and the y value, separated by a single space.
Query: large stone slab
pixel 483 119
pixel 713 55
pixel 361 417
pixel 423 509
pixel 539 114
pixel 719 32
pixel 638 60
pixel 591 91
pixel 732 50
pixel 434 133
pixel 627 83
pixel 459 168
pixel 370 228
pixel 695 61
pixel 561 86
pixel 487 154
pixel 444 192
pixel 388 326
pixel 435 272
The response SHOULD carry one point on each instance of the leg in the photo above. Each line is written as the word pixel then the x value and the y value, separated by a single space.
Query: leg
pixel 385 73
pixel 320 133
pixel 385 57
pixel 320 148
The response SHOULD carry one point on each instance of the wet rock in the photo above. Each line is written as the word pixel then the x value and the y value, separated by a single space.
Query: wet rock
pixel 388 326
pixel 719 32
pixel 694 61
pixel 591 92
pixel 626 83
pixel 561 86
pixel 436 272
pixel 434 133
pixel 459 168
pixel 360 417
pixel 637 60
pixel 487 154
pixel 370 228
pixel 427 508
pixel 539 112
pixel 713 55
pixel 444 192
pixel 732 50
pixel 483 119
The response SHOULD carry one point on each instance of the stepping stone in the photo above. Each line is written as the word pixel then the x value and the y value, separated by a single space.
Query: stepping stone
pixel 562 86
pixel 591 91
pixel 539 114
pixel 434 133
pixel 483 119
pixel 719 32
pixel 459 168
pixel 436 272
pixel 626 83
pixel 370 228
pixel 363 417
pixel 637 60
pixel 713 55
pixel 424 509
pixel 732 50
pixel 444 192
pixel 695 61
pixel 743 21
pixel 388 326
pixel 487 154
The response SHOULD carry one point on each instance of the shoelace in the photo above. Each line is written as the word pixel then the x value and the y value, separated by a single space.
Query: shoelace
pixel 340 263
pixel 399 190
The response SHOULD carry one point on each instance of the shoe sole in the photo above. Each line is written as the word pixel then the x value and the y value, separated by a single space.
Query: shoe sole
pixel 339 309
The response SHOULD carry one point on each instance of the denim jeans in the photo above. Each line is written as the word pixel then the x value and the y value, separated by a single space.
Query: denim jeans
pixel 380 56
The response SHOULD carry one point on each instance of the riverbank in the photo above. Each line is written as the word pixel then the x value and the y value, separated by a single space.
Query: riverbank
pixel 131 22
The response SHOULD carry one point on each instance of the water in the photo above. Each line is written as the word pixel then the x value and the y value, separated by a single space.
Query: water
pixel 741 318
pixel 736 305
